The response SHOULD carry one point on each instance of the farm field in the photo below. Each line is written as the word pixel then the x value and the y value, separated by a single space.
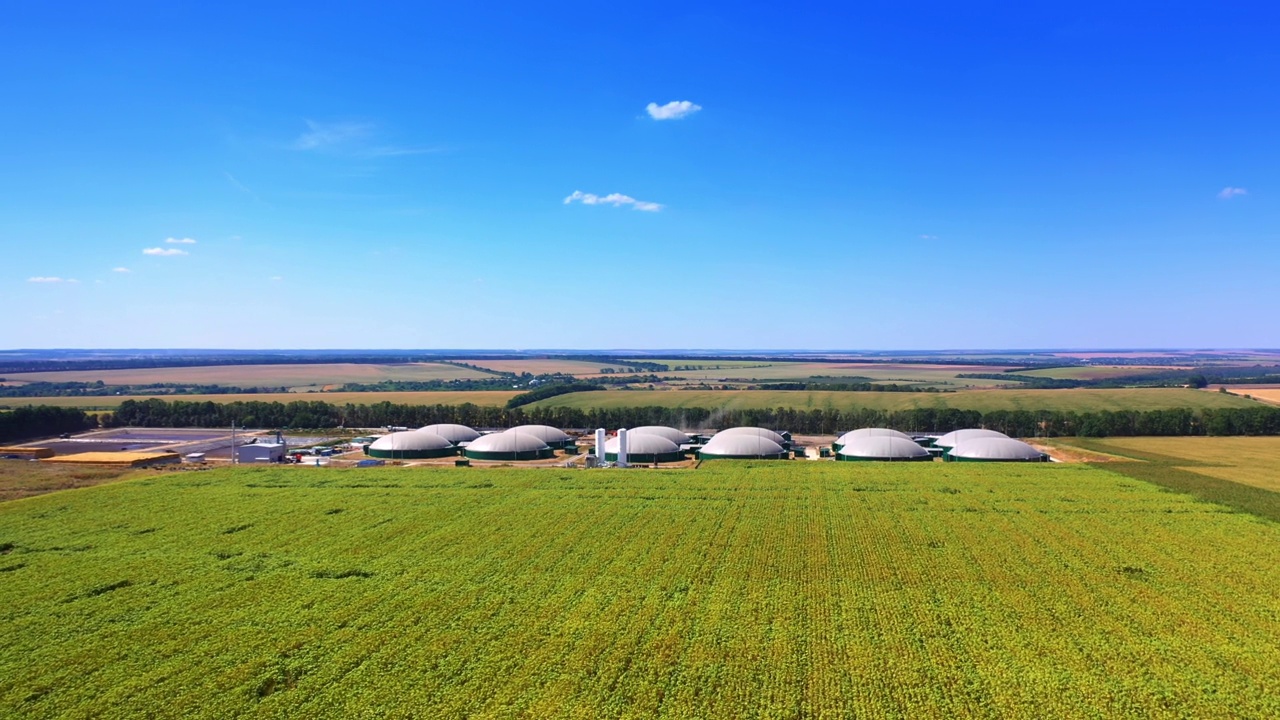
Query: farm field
pixel 1265 393
pixel 1249 460
pixel 904 373
pixel 22 478
pixel 543 366
pixel 735 590
pixel 1079 400
pixel 476 397
pixel 299 376
pixel 1096 372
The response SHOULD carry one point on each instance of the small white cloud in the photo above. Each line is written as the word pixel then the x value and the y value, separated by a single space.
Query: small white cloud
pixel 276 278
pixel 180 241
pixel 614 199
pixel 320 135
pixel 673 110
pixel 163 252
pixel 42 279
pixel 1230 192
pixel 121 270
pixel 928 237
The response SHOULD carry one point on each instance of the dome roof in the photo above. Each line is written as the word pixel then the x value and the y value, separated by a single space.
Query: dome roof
pixel 996 448
pixel 956 437
pixel 453 433
pixel 410 440
pixel 670 433
pixel 507 442
pixel 744 445
pixel 752 432
pixel 545 433
pixel 643 445
pixel 852 435
pixel 883 446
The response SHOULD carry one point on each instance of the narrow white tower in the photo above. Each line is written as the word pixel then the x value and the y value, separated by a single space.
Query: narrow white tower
pixel 622 447
pixel 600 436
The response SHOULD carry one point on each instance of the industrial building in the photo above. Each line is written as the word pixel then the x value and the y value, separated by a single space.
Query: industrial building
pixel 410 445
pixel 748 444
pixel 882 448
pixel 852 435
pixel 676 436
pixel 509 446
pixel 261 453
pixel 553 437
pixel 644 448
pixel 456 434
pixel 955 437
pixel 994 449
pixel 783 440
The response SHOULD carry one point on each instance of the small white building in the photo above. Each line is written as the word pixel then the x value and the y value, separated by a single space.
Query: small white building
pixel 260 453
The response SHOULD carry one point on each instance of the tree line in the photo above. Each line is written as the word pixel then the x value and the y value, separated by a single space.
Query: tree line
pixel 29 422
pixel 154 412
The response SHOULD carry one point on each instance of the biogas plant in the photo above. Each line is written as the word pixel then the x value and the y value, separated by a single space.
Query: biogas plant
pixel 656 445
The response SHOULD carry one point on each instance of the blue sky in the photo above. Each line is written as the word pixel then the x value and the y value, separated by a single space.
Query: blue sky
pixel 885 176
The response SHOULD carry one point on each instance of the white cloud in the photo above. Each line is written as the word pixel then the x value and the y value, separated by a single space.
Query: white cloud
pixel 121 270
pixel 276 278
pixel 614 199
pixel 180 241
pixel 51 279
pixel 1230 192
pixel 163 252
pixel 673 110
pixel 928 237
pixel 320 135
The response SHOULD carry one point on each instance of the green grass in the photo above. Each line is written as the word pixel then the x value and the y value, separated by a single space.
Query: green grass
pixel 735 590
pixel 23 478
pixel 1239 472
pixel 1079 400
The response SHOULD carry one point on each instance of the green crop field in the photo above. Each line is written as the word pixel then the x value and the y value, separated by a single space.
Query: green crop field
pixel 110 402
pixel 904 373
pixel 1249 460
pixel 1079 400
pixel 789 589
pixel 261 375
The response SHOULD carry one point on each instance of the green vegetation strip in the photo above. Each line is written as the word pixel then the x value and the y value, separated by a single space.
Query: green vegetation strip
pixel 1171 472
pixel 1079 400
pixel 785 589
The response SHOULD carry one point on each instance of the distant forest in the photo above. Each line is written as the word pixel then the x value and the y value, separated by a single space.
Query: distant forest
pixel 1260 420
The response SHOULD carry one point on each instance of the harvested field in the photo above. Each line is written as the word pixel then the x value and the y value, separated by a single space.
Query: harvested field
pixel 1264 393
pixel 478 397
pixel 1078 400
pixel 262 375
